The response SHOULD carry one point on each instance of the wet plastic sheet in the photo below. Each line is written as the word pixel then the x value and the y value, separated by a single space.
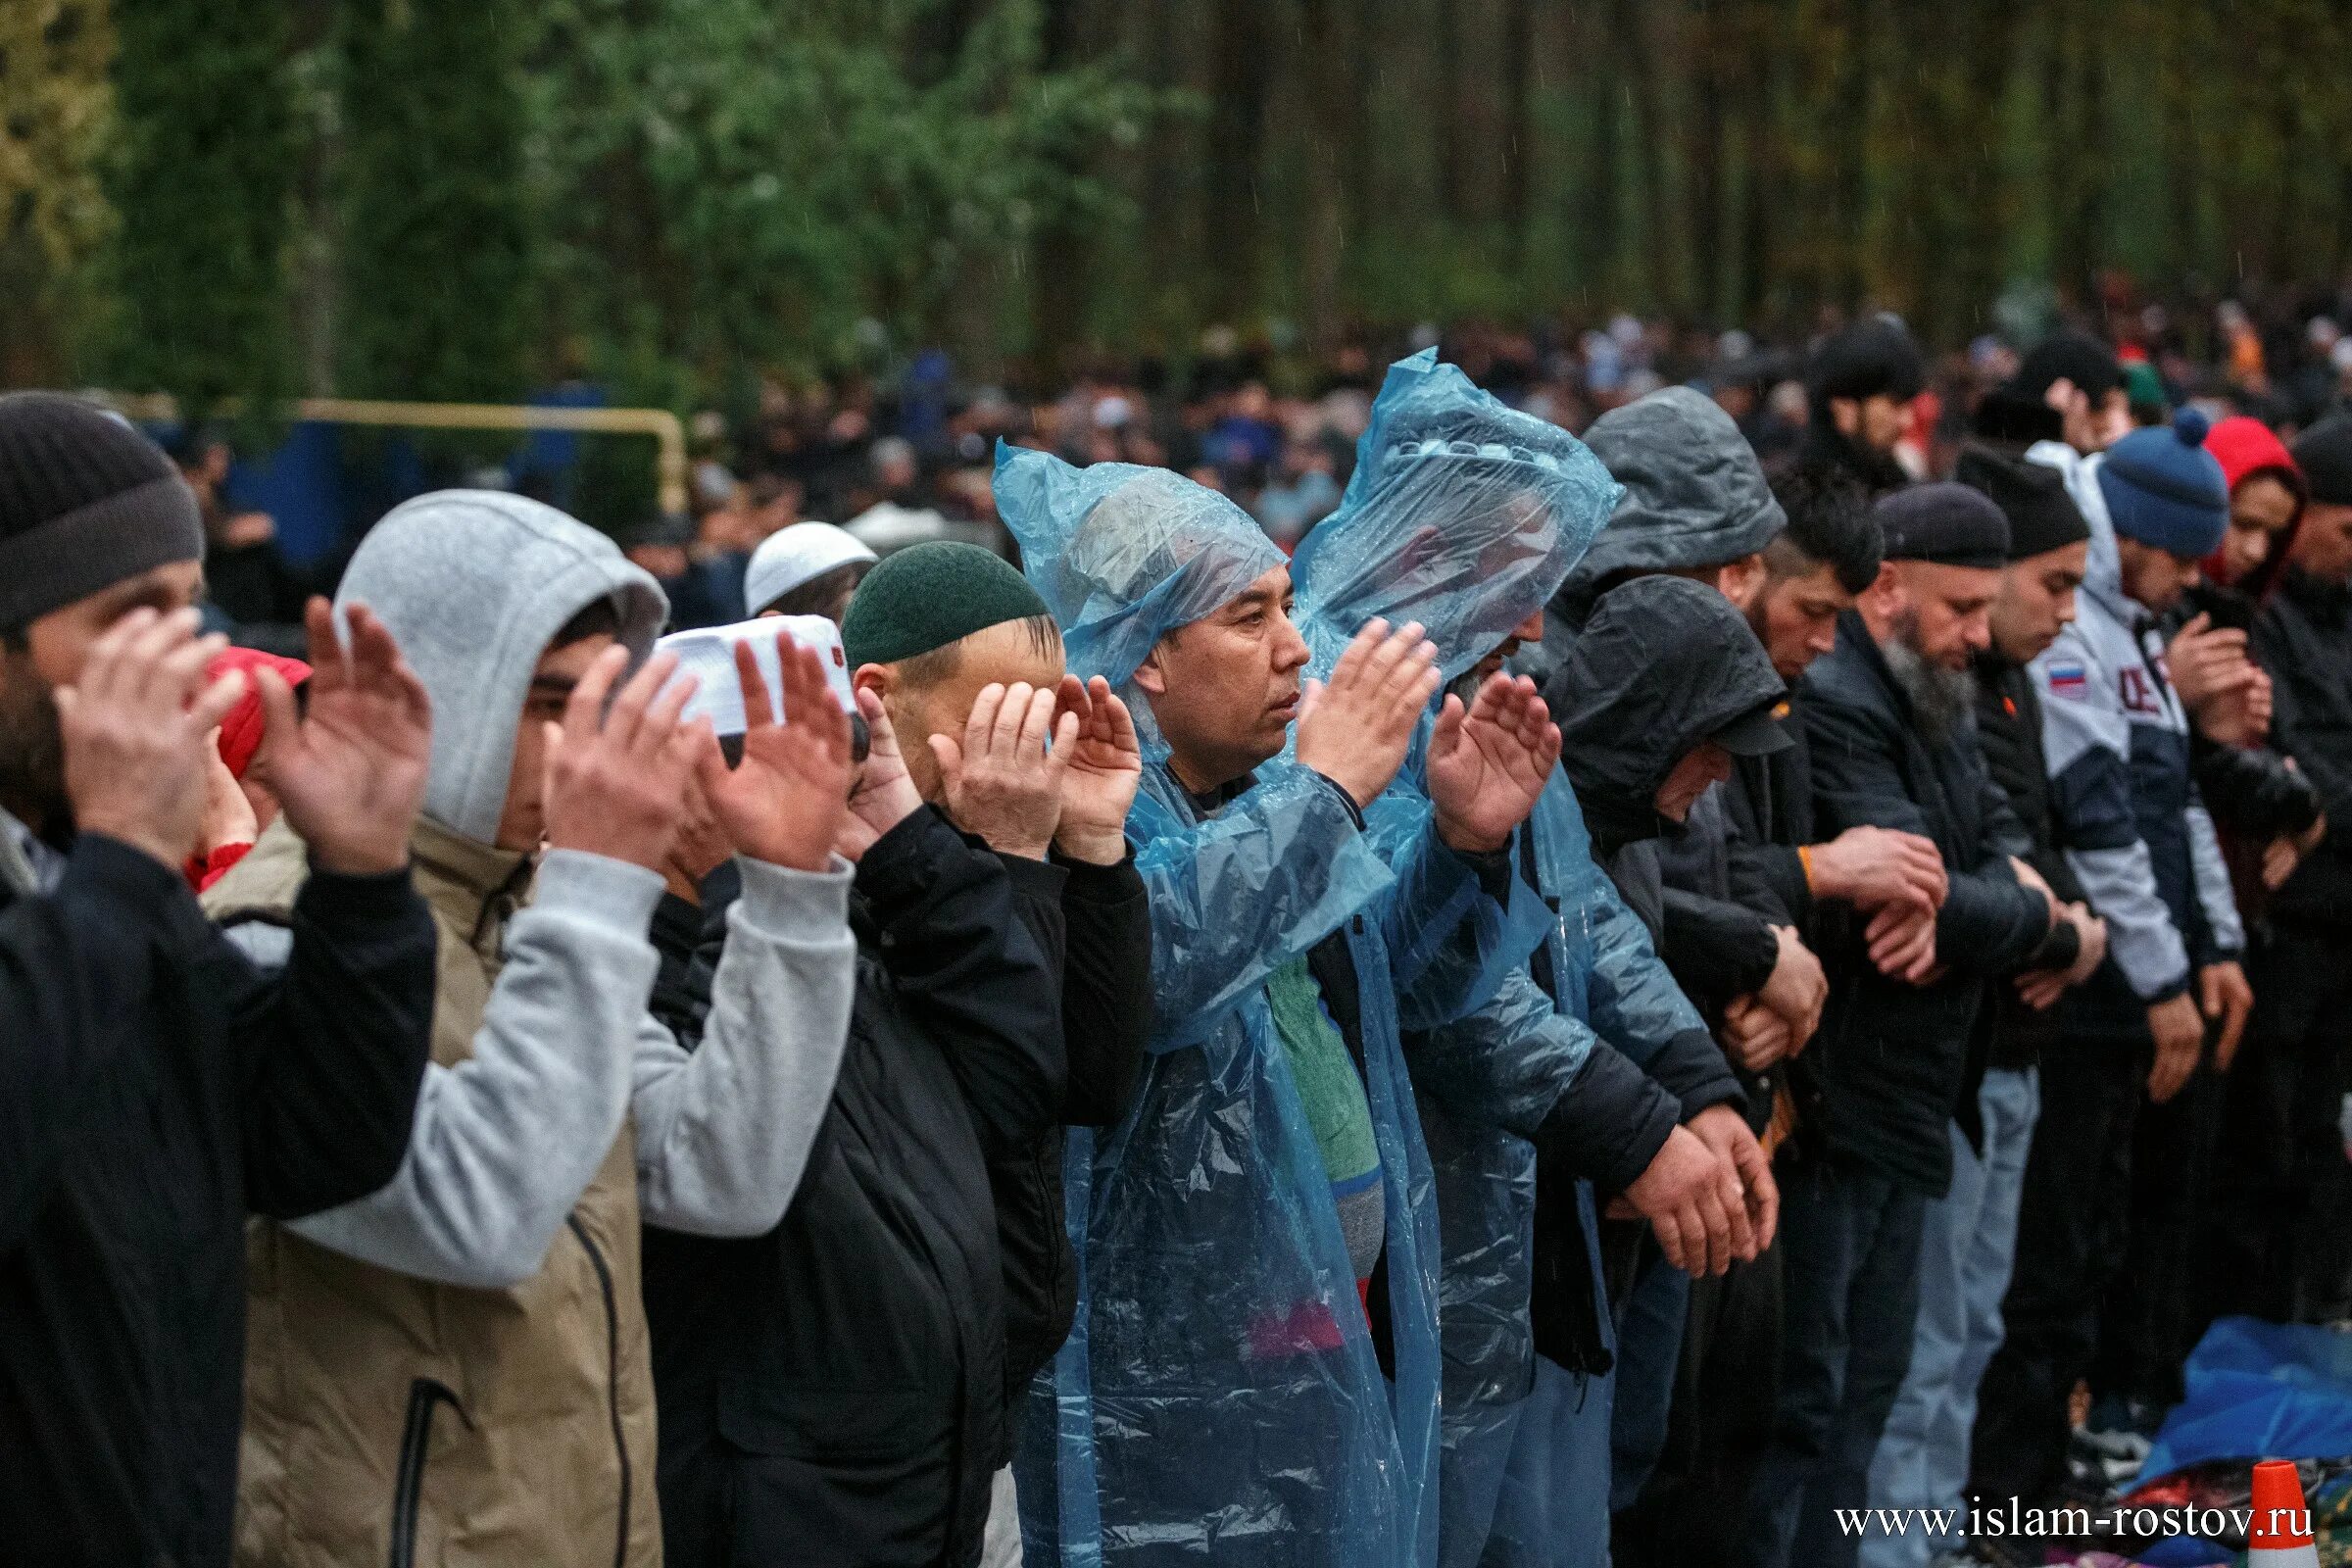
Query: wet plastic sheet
pixel 2259 1391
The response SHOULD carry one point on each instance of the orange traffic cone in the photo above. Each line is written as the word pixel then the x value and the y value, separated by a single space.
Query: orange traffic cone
pixel 2282 1537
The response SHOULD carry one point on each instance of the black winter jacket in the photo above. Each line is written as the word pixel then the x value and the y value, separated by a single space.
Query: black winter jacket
pixel 2009 732
pixel 1884 1077
pixel 154 1088
pixel 2304 639
pixel 1107 1019
pixel 832 1393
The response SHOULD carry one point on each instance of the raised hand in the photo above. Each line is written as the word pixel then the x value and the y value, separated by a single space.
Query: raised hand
pixel 136 724
pixel 1105 765
pixel 701 846
pixel 1001 781
pixel 1871 867
pixel 1355 730
pixel 1487 765
pixel 350 769
pixel 615 776
pixel 228 817
pixel 884 795
pixel 786 801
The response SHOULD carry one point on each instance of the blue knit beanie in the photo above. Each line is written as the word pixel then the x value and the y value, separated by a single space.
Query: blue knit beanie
pixel 2164 489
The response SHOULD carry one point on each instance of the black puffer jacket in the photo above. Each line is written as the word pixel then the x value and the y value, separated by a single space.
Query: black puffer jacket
pixel 833 1392
pixel 2304 639
pixel 1884 1077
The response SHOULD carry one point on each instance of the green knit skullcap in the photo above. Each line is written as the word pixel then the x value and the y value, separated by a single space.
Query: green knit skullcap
pixel 929 594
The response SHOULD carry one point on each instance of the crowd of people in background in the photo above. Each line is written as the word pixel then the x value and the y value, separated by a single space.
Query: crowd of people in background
pixel 1585 951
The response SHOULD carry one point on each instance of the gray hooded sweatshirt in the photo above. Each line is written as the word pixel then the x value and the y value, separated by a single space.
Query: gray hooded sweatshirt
pixel 473 585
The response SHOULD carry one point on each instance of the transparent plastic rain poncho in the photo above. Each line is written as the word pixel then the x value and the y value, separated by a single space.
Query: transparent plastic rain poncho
pixel 1220 1398
pixel 1467 515
pixel 1463 514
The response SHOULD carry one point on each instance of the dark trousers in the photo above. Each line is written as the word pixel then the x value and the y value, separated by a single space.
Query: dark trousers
pixel 1849 1271
pixel 2278 1242
pixel 2071 1229
pixel 2153 1315
pixel 1719 1425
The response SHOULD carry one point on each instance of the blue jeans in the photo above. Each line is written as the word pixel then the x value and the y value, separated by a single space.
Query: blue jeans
pixel 1964 1265
pixel 1649 1351
pixel 1849 1240
pixel 1554 1511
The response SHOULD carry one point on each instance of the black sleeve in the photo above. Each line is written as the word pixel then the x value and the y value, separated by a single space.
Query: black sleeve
pixel 1770 878
pixel 74 966
pixel 335 1044
pixel 961 954
pixel 1106 987
pixel 1610 1121
pixel 1691 1068
pixel 1716 948
pixel 2251 791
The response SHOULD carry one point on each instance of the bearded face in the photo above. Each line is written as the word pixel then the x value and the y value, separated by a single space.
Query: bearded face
pixel 32 749
pixel 1941 697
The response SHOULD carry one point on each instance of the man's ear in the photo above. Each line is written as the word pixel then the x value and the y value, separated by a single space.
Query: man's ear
pixel 880 680
pixel 2060 394
pixel 1150 677
pixel 1884 594
pixel 1740 581
pixel 1847 415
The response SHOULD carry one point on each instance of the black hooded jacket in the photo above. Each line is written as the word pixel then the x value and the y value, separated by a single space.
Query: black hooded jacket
pixel 1885 1074
pixel 1662 665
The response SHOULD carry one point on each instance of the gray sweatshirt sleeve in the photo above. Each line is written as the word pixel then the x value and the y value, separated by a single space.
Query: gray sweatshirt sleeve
pixel 507 1140
pixel 724 1133
pixel 2214 893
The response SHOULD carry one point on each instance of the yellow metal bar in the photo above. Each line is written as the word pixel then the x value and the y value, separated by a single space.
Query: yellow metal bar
pixel 668 432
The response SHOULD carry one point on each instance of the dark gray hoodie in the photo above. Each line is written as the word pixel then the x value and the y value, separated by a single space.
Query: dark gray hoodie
pixel 1694 494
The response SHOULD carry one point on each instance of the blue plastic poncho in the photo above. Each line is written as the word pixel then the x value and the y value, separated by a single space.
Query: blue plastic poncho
pixel 1467 515
pixel 1463 514
pixel 1220 1398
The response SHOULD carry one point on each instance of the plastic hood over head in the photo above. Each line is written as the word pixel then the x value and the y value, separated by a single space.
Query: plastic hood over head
pixel 1464 514
pixel 473 583
pixel 1695 493
pixel 1124 554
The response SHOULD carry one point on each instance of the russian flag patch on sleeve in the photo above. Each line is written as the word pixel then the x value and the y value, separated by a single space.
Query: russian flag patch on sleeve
pixel 2069 681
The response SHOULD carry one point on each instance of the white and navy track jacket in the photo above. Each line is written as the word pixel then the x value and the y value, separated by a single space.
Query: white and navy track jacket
pixel 2123 803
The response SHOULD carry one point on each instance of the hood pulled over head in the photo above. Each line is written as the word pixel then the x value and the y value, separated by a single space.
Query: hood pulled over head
pixel 472 584
pixel 1463 514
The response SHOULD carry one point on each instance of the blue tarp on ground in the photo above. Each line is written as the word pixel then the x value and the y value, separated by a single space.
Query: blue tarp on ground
pixel 2260 1391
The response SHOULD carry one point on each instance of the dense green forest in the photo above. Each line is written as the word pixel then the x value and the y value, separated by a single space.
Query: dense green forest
pixel 462 198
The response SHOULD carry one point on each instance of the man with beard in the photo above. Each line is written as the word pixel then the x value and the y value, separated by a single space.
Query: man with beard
pixel 1887 716
pixel 1921 1460
pixel 1860 385
pixel 155 1087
